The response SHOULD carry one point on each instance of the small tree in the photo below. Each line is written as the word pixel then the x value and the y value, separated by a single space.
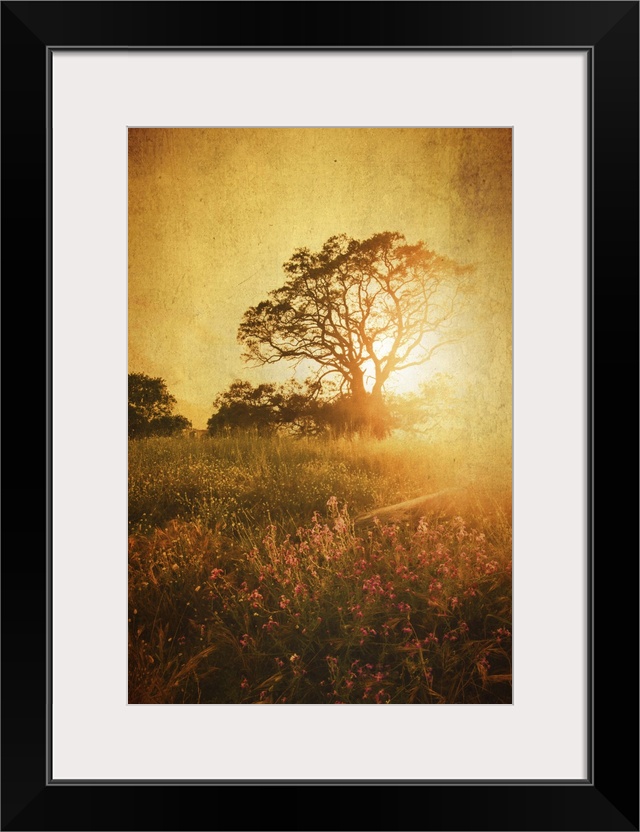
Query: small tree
pixel 150 408
pixel 358 309
pixel 266 408
pixel 435 407
pixel 244 407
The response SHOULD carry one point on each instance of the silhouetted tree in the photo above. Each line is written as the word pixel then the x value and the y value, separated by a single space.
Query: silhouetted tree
pixel 244 406
pixel 266 408
pixel 150 408
pixel 169 425
pixel 359 310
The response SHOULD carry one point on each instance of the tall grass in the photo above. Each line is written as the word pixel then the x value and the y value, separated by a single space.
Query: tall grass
pixel 243 481
pixel 250 583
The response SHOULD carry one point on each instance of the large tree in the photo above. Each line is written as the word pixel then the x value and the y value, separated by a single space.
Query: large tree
pixel 360 310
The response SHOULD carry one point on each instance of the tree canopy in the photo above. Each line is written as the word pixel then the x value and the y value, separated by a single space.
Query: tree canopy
pixel 243 406
pixel 151 408
pixel 267 408
pixel 360 310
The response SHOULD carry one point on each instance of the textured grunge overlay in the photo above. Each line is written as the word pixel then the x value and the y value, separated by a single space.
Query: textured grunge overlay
pixel 320 415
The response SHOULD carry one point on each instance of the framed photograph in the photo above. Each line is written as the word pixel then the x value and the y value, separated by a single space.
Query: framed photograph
pixel 327 520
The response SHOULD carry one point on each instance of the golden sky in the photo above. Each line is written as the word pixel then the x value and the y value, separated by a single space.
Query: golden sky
pixel 214 213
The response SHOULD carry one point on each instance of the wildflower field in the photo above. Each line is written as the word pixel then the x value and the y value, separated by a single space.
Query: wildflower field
pixel 251 581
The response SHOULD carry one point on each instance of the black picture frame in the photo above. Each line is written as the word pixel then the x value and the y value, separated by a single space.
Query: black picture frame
pixel 608 798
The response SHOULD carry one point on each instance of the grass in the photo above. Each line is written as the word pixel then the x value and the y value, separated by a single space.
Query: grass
pixel 249 582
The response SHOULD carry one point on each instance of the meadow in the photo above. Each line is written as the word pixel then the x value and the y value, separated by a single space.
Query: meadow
pixel 251 579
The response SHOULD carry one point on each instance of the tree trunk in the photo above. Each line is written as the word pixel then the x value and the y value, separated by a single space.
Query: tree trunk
pixel 368 414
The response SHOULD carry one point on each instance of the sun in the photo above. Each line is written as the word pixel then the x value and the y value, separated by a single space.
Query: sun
pixel 410 379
